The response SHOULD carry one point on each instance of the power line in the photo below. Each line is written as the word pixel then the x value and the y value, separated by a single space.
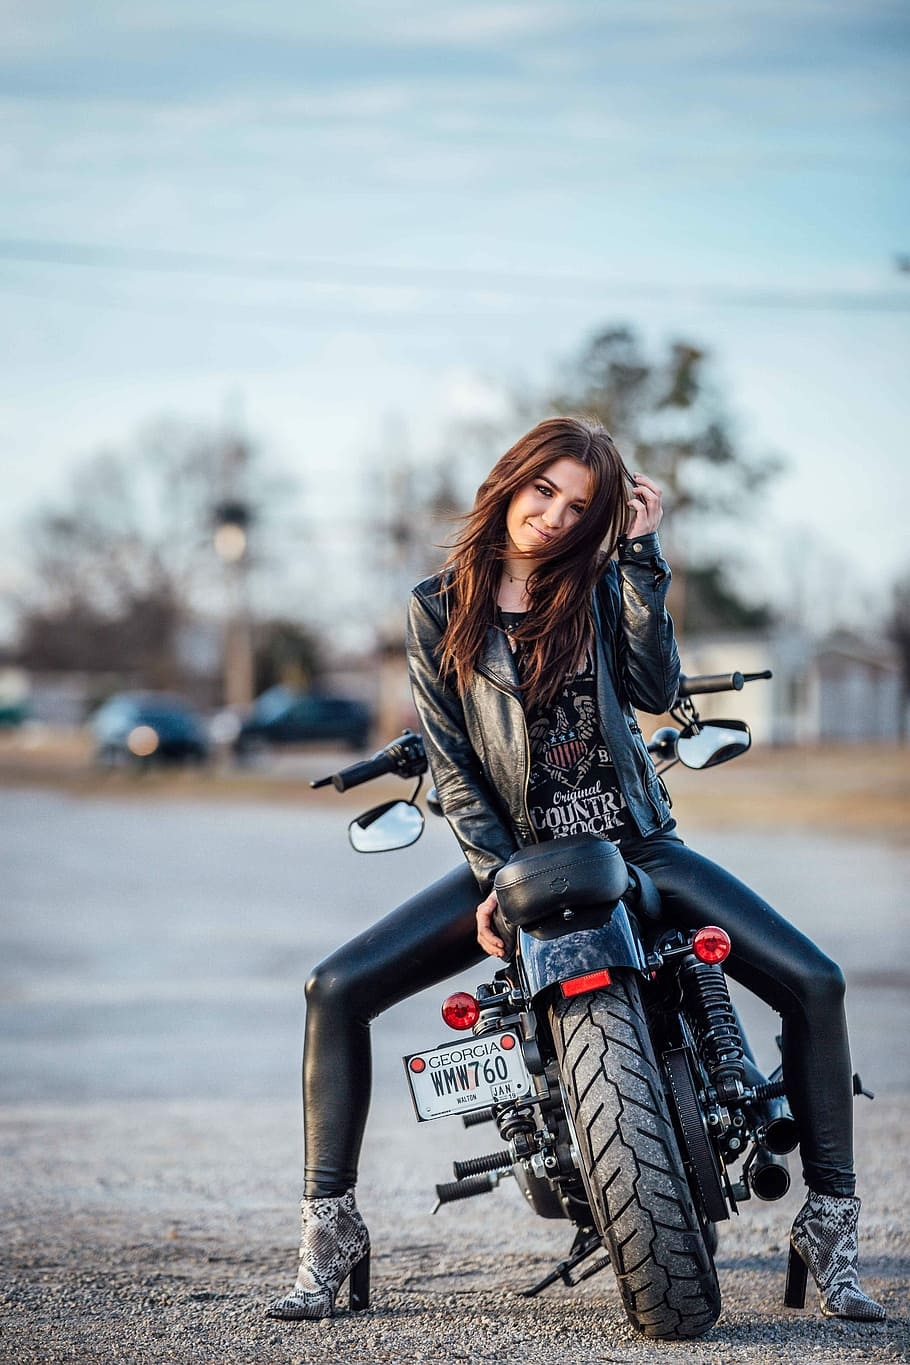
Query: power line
pixel 440 322
pixel 395 276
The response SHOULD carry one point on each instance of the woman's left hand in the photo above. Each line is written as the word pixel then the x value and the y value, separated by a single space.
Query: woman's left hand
pixel 646 509
pixel 489 941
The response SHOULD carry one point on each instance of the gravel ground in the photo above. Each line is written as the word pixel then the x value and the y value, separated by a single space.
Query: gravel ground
pixel 149 1128
pixel 142 1233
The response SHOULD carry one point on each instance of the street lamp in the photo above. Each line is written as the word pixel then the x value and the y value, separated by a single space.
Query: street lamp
pixel 231 521
pixel 231 524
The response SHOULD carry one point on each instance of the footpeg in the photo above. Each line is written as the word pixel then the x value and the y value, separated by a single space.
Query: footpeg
pixel 467 1188
pixel 479 1116
pixel 477 1165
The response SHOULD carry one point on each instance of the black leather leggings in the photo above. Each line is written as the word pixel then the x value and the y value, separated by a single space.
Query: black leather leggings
pixel 433 936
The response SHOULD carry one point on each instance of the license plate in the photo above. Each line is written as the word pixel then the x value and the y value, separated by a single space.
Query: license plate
pixel 459 1077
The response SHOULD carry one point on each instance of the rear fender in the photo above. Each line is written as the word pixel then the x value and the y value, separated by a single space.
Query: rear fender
pixel 556 953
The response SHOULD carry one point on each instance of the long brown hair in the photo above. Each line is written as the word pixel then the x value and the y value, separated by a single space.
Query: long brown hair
pixel 560 584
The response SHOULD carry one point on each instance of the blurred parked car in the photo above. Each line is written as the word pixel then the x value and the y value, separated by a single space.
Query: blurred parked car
pixel 14 692
pixel 283 716
pixel 12 713
pixel 148 727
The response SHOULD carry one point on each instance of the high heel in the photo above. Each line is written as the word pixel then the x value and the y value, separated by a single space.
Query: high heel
pixel 359 1285
pixel 824 1240
pixel 795 1287
pixel 334 1247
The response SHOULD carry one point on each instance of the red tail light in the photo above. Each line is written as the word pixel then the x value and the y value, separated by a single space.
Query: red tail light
pixel 711 944
pixel 579 985
pixel 460 1011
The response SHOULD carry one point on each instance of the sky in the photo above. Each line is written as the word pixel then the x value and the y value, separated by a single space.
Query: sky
pixel 336 222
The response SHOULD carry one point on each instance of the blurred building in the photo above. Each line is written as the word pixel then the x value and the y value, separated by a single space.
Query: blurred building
pixel 857 690
pixel 67 696
pixel 842 689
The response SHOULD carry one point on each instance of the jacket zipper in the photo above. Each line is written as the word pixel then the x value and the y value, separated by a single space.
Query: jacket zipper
pixel 641 760
pixel 527 739
pixel 646 785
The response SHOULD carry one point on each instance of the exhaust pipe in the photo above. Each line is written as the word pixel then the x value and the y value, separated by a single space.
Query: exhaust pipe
pixel 767 1174
pixel 779 1132
pixel 775 1126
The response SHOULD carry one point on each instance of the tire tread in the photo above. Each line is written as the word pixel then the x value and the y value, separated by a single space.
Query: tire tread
pixel 637 1185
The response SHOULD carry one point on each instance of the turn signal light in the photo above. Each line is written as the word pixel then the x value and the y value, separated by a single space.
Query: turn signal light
pixel 711 944
pixel 461 1010
pixel 580 985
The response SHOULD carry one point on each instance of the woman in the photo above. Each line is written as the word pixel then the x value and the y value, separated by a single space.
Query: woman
pixel 526 657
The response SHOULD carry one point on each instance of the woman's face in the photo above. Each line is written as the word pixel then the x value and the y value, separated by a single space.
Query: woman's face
pixel 548 506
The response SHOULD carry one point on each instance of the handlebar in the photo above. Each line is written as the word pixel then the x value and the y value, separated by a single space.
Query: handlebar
pixel 357 773
pixel 697 686
pixel 405 756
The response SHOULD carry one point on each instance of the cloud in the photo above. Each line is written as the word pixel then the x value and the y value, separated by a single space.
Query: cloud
pixel 474 25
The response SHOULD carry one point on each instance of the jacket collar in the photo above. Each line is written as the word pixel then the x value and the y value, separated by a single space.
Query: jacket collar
pixel 497 661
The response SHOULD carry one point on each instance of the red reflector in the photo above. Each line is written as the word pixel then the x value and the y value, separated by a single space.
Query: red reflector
pixel 460 1011
pixel 591 981
pixel 711 944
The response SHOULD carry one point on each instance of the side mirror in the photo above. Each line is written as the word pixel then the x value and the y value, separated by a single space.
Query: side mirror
pixel 394 824
pixel 712 742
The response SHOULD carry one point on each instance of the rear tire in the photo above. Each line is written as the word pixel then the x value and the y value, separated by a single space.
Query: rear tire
pixel 631 1163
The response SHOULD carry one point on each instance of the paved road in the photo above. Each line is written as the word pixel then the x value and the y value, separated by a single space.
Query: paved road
pixel 152 956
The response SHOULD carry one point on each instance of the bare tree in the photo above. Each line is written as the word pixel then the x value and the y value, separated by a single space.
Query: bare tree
pixel 668 419
pixel 118 563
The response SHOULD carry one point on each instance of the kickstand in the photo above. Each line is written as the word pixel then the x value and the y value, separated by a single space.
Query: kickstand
pixel 586 1243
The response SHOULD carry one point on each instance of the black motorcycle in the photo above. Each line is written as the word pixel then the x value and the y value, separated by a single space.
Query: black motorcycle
pixel 606 1051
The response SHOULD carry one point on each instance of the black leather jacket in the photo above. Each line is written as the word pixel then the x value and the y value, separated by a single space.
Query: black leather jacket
pixel 478 745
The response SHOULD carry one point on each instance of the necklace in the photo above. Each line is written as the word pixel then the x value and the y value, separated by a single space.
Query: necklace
pixel 513 578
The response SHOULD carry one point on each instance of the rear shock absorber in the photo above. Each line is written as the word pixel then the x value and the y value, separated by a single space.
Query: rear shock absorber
pixel 712 1019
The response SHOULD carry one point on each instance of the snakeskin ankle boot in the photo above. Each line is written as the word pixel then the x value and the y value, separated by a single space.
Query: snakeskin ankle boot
pixel 823 1240
pixel 334 1247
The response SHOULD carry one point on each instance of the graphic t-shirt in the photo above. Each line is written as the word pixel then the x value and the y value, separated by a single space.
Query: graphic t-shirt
pixel 573 787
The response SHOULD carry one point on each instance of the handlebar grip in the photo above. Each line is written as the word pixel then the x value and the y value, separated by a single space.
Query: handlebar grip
pixel 405 756
pixel 711 682
pixel 364 771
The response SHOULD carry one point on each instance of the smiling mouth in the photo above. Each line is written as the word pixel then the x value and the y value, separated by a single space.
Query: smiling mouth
pixel 544 535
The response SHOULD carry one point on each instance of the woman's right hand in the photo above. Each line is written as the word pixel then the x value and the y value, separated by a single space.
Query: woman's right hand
pixel 646 507
pixel 489 942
